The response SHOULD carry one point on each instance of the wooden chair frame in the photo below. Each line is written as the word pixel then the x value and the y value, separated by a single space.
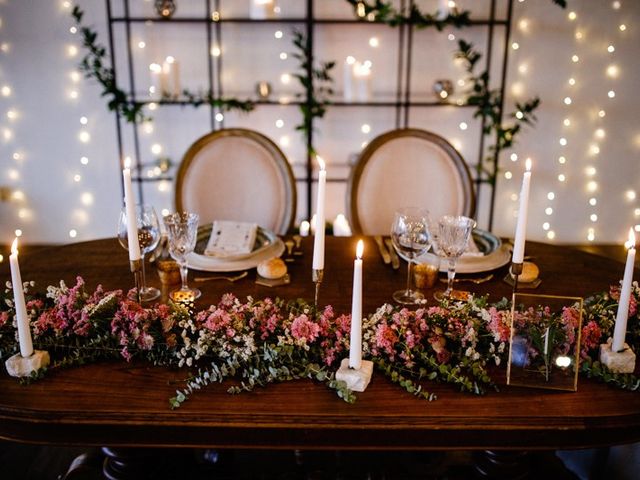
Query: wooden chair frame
pixel 469 207
pixel 278 156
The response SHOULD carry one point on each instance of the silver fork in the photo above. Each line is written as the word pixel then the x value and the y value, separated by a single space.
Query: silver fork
pixel 220 277
pixel 477 281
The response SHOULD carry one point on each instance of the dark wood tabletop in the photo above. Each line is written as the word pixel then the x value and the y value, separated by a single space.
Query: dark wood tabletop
pixel 120 404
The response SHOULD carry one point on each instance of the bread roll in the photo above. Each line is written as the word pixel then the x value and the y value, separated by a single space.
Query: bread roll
pixel 530 272
pixel 272 268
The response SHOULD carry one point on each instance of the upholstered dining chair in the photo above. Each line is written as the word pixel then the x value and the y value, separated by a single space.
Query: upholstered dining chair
pixel 407 167
pixel 237 174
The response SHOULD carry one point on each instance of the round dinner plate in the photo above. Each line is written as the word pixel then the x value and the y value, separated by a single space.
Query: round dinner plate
pixel 495 255
pixel 268 245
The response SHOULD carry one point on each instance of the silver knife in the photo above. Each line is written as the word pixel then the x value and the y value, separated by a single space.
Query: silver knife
pixel 395 261
pixel 384 253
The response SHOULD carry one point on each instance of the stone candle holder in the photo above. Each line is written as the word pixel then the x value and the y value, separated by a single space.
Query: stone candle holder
pixel 618 362
pixel 356 380
pixel 19 366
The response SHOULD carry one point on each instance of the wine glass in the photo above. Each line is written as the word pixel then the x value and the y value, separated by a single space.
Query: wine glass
pixel 182 229
pixel 411 238
pixel 148 238
pixel 453 238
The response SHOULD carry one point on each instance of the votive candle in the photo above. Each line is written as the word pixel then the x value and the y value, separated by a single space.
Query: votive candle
pixel 22 319
pixel 620 329
pixel 355 339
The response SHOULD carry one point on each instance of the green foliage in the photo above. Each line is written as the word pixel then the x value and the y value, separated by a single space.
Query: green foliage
pixel 95 66
pixel 596 370
pixel 316 82
pixel 386 12
pixel 489 103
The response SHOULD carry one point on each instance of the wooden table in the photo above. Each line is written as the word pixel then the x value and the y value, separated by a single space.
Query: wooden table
pixel 126 405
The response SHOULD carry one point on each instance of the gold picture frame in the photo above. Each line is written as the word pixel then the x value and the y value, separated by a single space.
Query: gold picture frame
pixel 544 344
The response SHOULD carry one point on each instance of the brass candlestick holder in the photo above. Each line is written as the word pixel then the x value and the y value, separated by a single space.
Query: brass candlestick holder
pixel 516 270
pixel 317 276
pixel 136 268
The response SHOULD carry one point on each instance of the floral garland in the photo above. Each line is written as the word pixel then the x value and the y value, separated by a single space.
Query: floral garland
pixel 258 342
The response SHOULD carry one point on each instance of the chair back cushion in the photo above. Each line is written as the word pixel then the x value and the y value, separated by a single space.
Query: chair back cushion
pixel 407 167
pixel 240 175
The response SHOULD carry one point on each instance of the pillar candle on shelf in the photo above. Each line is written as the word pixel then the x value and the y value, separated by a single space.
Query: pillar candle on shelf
pixel 132 224
pixel 171 77
pixel 155 71
pixel 443 9
pixel 521 226
pixel 22 319
pixel 261 9
pixel 620 330
pixel 362 80
pixel 318 239
pixel 355 338
pixel 348 78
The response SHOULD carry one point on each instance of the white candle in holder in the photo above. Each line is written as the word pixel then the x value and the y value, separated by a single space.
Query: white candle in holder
pixel 355 338
pixel 521 226
pixel 620 330
pixel 318 239
pixel 132 224
pixel 22 319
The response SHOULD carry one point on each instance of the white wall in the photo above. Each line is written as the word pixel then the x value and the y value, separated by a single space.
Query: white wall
pixel 41 151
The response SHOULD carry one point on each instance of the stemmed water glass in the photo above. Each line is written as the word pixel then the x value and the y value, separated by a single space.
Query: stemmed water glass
pixel 453 238
pixel 148 238
pixel 182 229
pixel 411 238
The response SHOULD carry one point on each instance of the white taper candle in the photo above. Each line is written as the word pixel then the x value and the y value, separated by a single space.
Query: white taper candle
pixel 22 319
pixel 620 329
pixel 318 239
pixel 132 223
pixel 355 338
pixel 521 226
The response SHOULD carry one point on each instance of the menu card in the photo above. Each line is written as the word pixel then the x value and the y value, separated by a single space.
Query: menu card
pixel 230 238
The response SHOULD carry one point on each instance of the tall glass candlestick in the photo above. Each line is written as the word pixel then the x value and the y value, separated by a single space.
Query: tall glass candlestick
pixel 620 330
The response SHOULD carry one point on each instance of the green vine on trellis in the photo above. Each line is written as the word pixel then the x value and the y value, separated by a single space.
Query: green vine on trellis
pixel 384 12
pixel 316 85
pixel 95 65
pixel 489 107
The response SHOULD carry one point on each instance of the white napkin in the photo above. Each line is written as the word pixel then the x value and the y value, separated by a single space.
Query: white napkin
pixel 231 238
pixel 472 249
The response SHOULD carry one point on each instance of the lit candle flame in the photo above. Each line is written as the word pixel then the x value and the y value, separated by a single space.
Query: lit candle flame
pixel 528 164
pixel 14 246
pixel 631 243
pixel 127 162
pixel 360 249
pixel 320 162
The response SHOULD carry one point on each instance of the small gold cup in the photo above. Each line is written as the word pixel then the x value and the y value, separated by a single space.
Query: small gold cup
pixel 425 275
pixel 168 271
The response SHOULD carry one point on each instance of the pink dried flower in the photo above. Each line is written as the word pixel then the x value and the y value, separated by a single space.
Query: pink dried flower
pixel 304 329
